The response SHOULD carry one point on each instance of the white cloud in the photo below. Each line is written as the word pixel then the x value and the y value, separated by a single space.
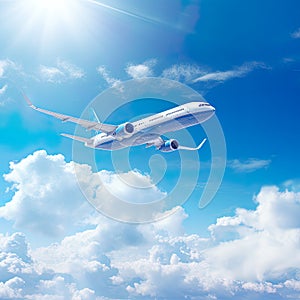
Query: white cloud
pixel 141 70
pixel 113 82
pixel 2 92
pixel 5 65
pixel 261 244
pixel 296 34
pixel 221 76
pixel 23 278
pixel 249 165
pixel 51 74
pixel 183 72
pixel 252 254
pixel 3 89
pixel 70 70
pixel 260 287
pixel 48 199
pixel 194 74
pixel 126 186
pixel 61 72
pixel 2 67
pixel 11 289
pixel 293 284
pixel 144 261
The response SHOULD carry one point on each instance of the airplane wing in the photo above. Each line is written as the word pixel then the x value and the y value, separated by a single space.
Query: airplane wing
pixel 78 138
pixel 190 148
pixel 158 142
pixel 89 125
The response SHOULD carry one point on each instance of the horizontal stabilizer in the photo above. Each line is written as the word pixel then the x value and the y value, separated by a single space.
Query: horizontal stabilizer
pixel 78 138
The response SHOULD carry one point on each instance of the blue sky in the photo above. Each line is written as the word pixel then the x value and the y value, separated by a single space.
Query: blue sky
pixel 243 57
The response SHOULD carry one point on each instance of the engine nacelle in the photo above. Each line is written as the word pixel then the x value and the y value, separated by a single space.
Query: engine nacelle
pixel 169 146
pixel 123 130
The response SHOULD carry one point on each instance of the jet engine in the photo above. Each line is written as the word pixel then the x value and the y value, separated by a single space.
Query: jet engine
pixel 123 130
pixel 169 146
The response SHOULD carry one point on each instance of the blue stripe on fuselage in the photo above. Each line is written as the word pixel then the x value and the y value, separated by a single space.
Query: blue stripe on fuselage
pixel 167 126
pixel 106 145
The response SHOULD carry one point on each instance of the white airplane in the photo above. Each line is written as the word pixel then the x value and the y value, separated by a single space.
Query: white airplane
pixel 146 131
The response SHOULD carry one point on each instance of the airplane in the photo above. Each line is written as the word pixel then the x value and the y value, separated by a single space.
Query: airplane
pixel 146 131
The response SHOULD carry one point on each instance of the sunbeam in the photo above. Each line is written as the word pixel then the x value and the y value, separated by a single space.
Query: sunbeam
pixel 125 12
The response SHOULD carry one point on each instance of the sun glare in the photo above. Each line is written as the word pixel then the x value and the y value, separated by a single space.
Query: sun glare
pixel 51 5
pixel 58 7
pixel 50 20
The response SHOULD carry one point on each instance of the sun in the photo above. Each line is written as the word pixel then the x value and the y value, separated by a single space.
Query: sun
pixel 51 4
pixel 49 21
pixel 55 8
pixel 55 25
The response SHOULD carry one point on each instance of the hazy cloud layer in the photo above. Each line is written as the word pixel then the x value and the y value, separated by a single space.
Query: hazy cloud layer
pixel 296 34
pixel 6 65
pixel 221 76
pixel 61 72
pixel 249 165
pixel 192 74
pixel 111 81
pixel 183 72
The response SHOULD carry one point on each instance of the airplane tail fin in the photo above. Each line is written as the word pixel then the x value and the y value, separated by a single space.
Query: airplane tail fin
pixel 192 149
pixel 88 142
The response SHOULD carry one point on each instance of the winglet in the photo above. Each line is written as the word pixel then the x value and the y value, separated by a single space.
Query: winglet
pixel 201 144
pixel 192 149
pixel 28 101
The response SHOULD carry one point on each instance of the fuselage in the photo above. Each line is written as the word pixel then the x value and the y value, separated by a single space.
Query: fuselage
pixel 150 128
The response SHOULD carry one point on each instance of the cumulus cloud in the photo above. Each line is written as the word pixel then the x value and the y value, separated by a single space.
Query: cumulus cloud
pixel 61 72
pixel 221 76
pixel 11 289
pixel 296 34
pixel 251 254
pixel 48 199
pixel 127 186
pixel 249 165
pixel 23 278
pixel 247 253
pixel 272 233
pixel 141 70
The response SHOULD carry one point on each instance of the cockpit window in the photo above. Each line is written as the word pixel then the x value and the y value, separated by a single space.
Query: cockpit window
pixel 204 104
